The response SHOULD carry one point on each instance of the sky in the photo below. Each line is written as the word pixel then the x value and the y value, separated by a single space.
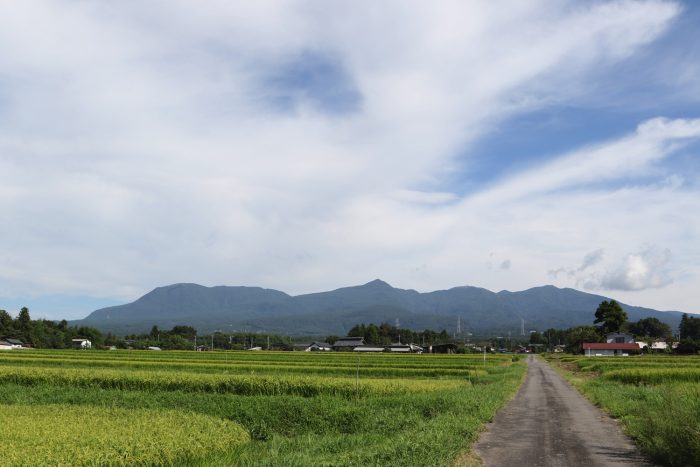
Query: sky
pixel 310 145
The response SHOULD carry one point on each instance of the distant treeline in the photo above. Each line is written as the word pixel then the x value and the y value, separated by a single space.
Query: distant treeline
pixel 44 334
pixel 386 334
pixel 186 338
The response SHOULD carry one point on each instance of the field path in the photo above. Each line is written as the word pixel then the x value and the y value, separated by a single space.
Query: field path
pixel 550 424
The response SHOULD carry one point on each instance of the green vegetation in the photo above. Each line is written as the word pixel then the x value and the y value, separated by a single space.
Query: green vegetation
pixel 385 334
pixel 44 334
pixel 610 316
pixel 249 408
pixel 657 400
pixel 38 434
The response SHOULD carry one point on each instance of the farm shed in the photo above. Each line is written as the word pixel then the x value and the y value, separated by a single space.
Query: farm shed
pixel 348 343
pixel 443 348
pixel 368 348
pixel 81 343
pixel 605 349
pixel 405 348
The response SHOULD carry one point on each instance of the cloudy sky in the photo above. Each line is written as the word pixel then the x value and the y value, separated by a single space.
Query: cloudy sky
pixel 310 145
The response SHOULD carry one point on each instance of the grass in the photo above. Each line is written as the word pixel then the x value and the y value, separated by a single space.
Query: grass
pixel 318 414
pixel 656 399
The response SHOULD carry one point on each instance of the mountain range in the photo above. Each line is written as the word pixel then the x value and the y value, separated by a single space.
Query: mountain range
pixel 254 309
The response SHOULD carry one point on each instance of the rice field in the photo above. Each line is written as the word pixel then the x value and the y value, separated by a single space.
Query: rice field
pixel 657 399
pixel 246 408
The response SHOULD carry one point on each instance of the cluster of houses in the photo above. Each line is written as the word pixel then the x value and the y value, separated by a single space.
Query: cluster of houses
pixel 353 344
pixel 12 344
pixel 620 344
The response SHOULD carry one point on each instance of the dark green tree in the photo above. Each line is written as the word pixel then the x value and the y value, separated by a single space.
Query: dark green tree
pixel 23 323
pixel 5 322
pixel 610 316
pixel 650 327
pixel 689 327
pixel 576 336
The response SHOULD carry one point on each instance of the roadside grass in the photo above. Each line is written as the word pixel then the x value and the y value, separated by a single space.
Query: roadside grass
pixel 395 420
pixel 659 407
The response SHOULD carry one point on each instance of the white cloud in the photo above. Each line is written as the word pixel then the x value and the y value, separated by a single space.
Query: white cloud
pixel 643 270
pixel 136 148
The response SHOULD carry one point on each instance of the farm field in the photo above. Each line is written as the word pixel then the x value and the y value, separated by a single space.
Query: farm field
pixel 247 408
pixel 657 399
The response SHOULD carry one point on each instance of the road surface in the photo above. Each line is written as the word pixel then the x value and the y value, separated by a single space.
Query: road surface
pixel 550 424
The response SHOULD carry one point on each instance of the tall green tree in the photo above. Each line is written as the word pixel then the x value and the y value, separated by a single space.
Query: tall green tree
pixel 576 336
pixel 610 316
pixel 650 327
pixel 23 323
pixel 5 322
pixel 689 327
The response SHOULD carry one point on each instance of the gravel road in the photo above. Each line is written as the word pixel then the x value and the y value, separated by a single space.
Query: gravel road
pixel 550 424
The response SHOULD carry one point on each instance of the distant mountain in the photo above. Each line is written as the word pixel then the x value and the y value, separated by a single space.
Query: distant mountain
pixel 256 309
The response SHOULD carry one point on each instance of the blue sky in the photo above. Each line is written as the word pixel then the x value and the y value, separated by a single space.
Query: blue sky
pixel 305 146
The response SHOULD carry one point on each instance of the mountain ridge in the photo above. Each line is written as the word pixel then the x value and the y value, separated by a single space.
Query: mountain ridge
pixel 257 309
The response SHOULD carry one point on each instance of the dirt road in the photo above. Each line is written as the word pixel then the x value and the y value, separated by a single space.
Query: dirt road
pixel 550 424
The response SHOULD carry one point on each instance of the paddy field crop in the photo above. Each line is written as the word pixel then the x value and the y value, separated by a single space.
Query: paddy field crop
pixel 246 408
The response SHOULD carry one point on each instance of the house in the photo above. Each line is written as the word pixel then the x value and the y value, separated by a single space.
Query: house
pixel 604 349
pixel 15 343
pixel 368 348
pixel 4 345
pixel 619 338
pixel 405 348
pixel 81 343
pixel 348 343
pixel 302 347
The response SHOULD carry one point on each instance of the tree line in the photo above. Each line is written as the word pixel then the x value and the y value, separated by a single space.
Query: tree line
pixel 45 334
pixel 386 334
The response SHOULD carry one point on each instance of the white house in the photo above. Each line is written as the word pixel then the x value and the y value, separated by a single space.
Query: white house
pixel 657 345
pixel 4 345
pixel 619 338
pixel 81 343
